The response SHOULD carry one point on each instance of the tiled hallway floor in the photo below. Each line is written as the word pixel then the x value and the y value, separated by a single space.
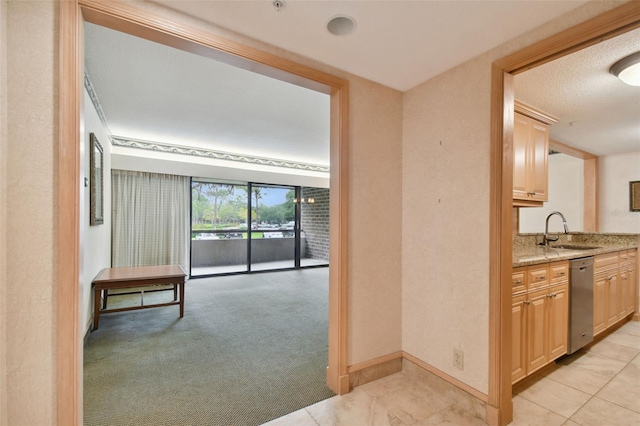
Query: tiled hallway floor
pixel 598 386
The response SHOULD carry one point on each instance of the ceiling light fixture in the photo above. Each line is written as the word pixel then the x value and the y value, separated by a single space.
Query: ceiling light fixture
pixel 341 25
pixel 628 69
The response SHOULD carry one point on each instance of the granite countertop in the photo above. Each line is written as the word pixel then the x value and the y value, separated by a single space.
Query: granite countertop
pixel 525 256
pixel 527 251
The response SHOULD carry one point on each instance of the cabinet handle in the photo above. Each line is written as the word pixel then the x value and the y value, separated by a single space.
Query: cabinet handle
pixel 609 278
pixel 518 282
pixel 559 274
pixel 541 278
pixel 527 302
pixel 631 271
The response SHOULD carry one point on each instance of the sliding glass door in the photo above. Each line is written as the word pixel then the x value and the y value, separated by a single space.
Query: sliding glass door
pixel 273 227
pixel 238 227
pixel 219 241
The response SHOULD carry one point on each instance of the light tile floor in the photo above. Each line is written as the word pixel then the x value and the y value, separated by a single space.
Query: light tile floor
pixel 597 386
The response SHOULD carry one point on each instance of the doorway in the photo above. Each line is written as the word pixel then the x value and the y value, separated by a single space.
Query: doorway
pixel 607 25
pixel 129 19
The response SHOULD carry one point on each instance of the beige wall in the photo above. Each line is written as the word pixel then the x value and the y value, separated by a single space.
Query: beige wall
pixel 445 203
pixel 3 213
pixel 375 221
pixel 615 172
pixel 31 213
pixel 566 195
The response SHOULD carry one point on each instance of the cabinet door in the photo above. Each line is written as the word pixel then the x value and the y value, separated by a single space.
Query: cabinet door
pixel 626 290
pixel 537 331
pixel 613 298
pixel 599 304
pixel 633 282
pixel 521 136
pixel 538 176
pixel 518 338
pixel 558 311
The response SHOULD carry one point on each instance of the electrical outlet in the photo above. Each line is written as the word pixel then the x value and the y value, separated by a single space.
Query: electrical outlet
pixel 458 358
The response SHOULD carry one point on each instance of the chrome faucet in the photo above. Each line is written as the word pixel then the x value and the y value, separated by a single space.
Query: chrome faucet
pixel 547 238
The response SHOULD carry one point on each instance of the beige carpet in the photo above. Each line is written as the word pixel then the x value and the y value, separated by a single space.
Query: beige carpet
pixel 249 349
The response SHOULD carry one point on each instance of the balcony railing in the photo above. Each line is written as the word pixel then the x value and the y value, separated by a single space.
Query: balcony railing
pixel 226 251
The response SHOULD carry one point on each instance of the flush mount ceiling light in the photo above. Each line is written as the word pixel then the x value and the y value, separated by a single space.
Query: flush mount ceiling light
pixel 341 25
pixel 628 69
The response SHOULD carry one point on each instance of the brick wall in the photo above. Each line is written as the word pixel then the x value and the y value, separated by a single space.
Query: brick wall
pixel 315 222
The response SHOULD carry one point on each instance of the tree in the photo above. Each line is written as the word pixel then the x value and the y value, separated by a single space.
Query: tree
pixel 199 203
pixel 289 206
pixel 217 193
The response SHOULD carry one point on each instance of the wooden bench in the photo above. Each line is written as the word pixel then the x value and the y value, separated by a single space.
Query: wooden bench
pixel 136 276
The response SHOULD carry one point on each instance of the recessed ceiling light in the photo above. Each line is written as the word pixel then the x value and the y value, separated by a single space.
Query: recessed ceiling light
pixel 341 25
pixel 628 69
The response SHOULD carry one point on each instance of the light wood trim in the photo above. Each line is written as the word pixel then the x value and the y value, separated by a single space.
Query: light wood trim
pixel 533 112
pixel 526 203
pixel 375 361
pixel 337 374
pixel 590 187
pixel 126 17
pixel 68 333
pixel 602 27
pixel 591 195
pixel 636 297
pixel 457 383
pixel 607 25
pixel 569 150
pixel 499 406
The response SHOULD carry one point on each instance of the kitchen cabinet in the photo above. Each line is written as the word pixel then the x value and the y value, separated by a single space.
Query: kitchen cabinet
pixel 615 286
pixel 540 315
pixel 628 282
pixel 530 155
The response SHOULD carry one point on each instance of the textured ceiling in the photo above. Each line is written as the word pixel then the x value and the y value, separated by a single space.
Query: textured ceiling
pixel 597 112
pixel 397 43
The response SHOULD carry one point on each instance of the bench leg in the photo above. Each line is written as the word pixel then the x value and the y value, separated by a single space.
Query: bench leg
pixel 175 292
pixel 181 299
pixel 96 309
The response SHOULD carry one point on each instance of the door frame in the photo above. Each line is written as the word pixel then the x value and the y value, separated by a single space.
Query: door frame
pixel 130 19
pixel 602 27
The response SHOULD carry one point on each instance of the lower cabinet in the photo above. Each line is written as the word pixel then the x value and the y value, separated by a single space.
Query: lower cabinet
pixel 614 287
pixel 540 321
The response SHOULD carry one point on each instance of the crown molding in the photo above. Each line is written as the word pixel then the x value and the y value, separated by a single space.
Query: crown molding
pixel 96 103
pixel 217 155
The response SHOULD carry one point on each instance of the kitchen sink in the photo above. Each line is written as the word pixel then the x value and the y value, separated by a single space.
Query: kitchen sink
pixel 574 247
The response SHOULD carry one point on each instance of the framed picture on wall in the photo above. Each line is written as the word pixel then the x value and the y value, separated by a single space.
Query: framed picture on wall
pixel 634 196
pixel 96 182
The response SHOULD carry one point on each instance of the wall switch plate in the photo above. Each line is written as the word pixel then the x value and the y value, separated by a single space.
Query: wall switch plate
pixel 458 358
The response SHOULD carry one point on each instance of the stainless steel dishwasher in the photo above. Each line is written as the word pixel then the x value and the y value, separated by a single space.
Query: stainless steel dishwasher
pixel 581 306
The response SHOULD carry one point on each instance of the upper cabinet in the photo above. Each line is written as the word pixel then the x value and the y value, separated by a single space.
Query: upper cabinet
pixel 530 155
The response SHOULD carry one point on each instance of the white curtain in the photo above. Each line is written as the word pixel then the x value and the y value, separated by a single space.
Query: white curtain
pixel 151 214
